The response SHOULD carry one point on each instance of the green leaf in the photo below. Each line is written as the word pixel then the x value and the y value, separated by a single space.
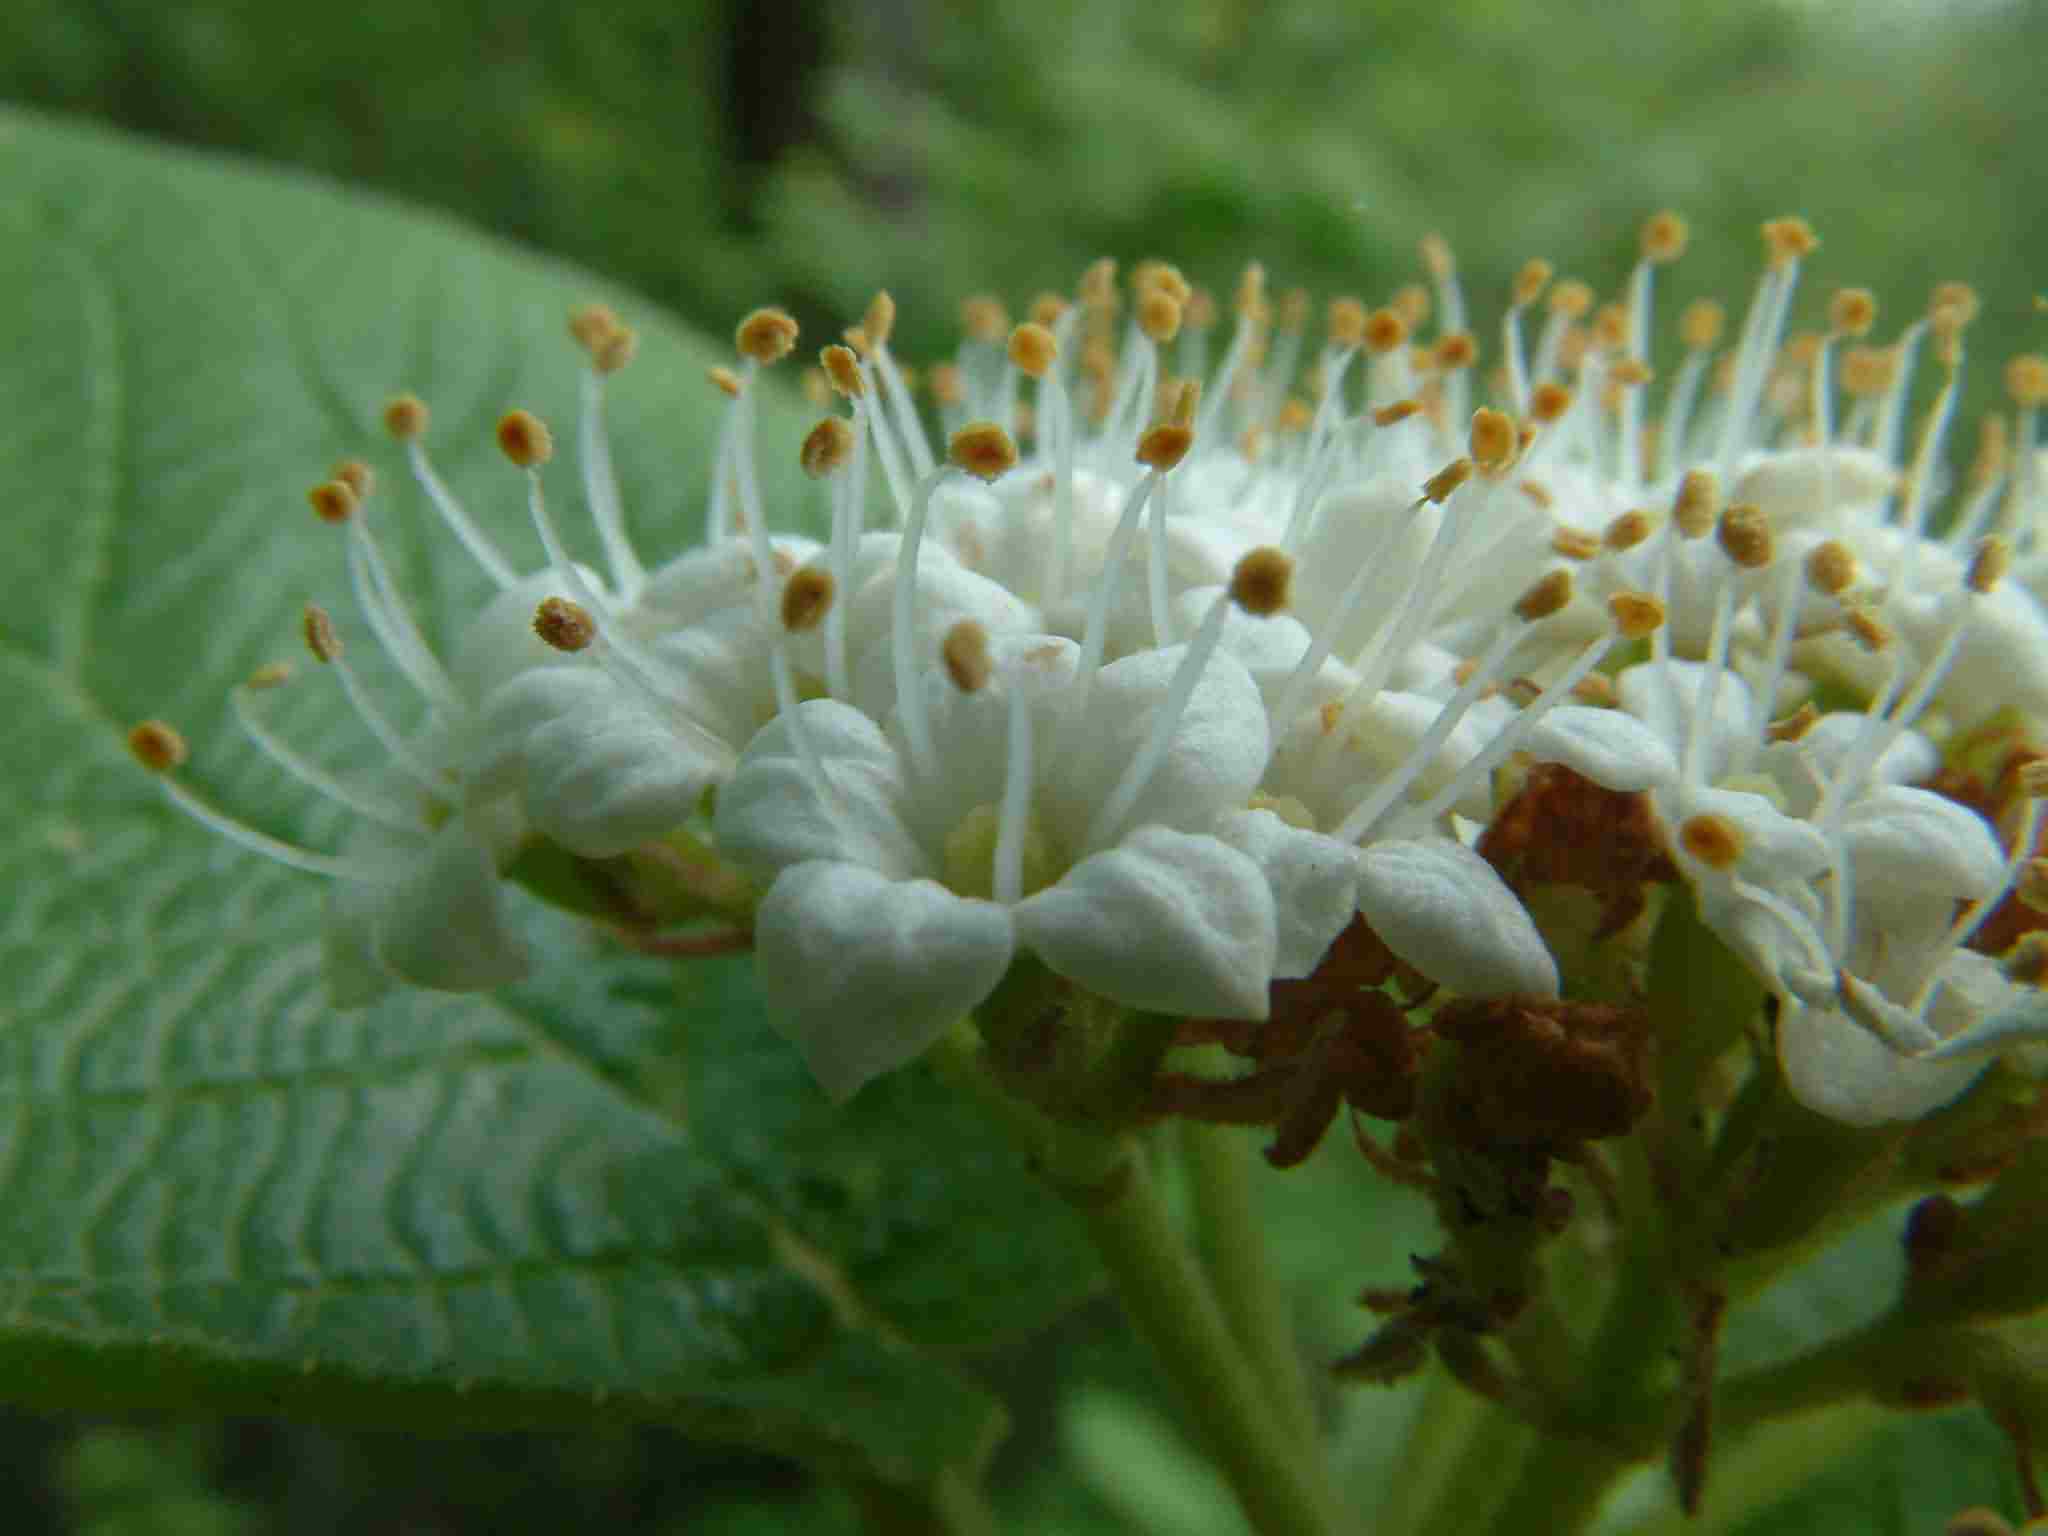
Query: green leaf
pixel 589 1189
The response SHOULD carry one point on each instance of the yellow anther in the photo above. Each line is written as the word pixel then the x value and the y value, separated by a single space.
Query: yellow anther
pixel 1630 373
pixel 1664 237
pixel 1200 312
pixel 827 447
pixel 878 321
pixel 1399 411
pixel 1831 568
pixel 1712 839
pixel 1347 321
pixel 984 319
pixel 767 335
pixel 725 381
pixel 1988 565
pixel 1571 298
pixel 1437 259
pixel 1250 300
pixel 1033 349
pixel 842 371
pixel 1596 689
pixel 1552 593
pixel 1745 537
pixel 1869 633
pixel 1572 543
pixel 1262 581
pixel 317 626
pixel 332 501
pixel 1788 240
pixel 1384 332
pixel 983 449
pixel 1794 725
pixel 590 324
pixel 965 653
pixel 357 476
pixel 1852 312
pixel 1455 351
pixel 1411 302
pixel 2026 380
pixel 564 625
pixel 1697 504
pixel 805 598
pixel 1548 403
pixel 1701 325
pixel 1492 439
pixel 948 388
pixel 1635 614
pixel 272 674
pixel 1159 316
pixel 524 439
pixel 1442 485
pixel 1531 281
pixel 615 350
pixel 157 746
pixel 1628 530
pixel 405 417
pixel 1866 372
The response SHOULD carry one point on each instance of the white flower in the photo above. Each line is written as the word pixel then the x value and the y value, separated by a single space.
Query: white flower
pixel 1022 797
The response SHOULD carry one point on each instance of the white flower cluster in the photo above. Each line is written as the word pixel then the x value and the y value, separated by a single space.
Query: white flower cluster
pixel 1215 671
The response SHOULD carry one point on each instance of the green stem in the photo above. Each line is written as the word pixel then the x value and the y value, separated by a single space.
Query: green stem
pixel 1825 1377
pixel 1170 1304
pixel 951 1506
pixel 1471 1477
pixel 1105 1179
pixel 1233 1242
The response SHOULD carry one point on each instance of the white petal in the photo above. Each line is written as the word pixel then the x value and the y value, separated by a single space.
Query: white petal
pixel 443 925
pixel 1314 881
pixel 1613 749
pixel 773 812
pixel 1213 759
pixel 1443 909
pixel 862 972
pixel 1913 843
pixel 1838 1068
pixel 1666 705
pixel 499 643
pixel 1168 921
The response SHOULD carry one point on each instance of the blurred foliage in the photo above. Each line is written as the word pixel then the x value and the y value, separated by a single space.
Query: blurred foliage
pixel 714 154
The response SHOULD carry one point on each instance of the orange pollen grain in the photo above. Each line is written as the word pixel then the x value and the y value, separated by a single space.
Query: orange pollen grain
pixel 589 324
pixel 1393 415
pixel 1384 331
pixel 1571 298
pixel 1831 568
pixel 1530 282
pixel 1033 349
pixel 1852 312
pixel 1788 240
pixel 1159 316
pixel 842 370
pixel 1166 445
pixel 1697 504
pixel 1572 543
pixel 1628 530
pixel 1492 439
pixel 1455 351
pixel 1347 322
pixel 1440 486
pixel 2026 380
pixel 1744 534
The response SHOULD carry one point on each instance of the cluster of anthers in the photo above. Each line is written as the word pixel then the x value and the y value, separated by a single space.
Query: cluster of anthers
pixel 1218 671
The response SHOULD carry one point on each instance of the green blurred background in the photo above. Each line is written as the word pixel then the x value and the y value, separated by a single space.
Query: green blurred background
pixel 715 156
